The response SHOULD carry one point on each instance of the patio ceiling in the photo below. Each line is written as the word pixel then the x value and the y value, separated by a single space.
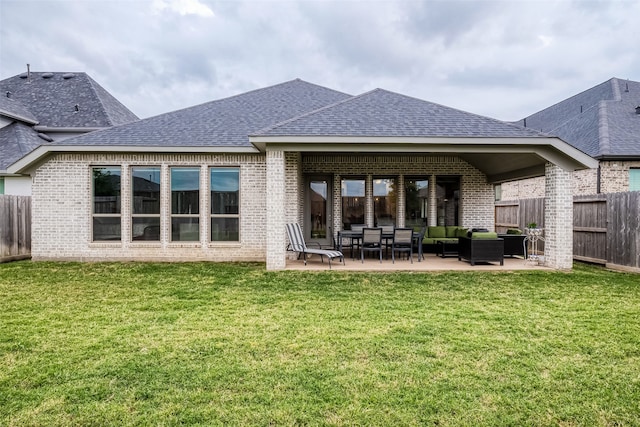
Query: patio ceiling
pixel 500 159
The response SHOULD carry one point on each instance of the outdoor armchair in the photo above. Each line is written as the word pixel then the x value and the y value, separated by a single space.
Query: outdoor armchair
pixel 297 244
pixel 481 249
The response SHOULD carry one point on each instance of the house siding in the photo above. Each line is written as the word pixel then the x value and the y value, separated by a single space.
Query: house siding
pixel 62 205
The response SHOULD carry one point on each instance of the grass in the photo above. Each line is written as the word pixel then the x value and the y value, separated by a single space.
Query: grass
pixel 131 344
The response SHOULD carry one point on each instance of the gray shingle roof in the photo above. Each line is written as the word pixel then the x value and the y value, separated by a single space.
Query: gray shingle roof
pixel 382 113
pixel 17 140
pixel 600 121
pixel 52 98
pixel 222 123
pixel 14 109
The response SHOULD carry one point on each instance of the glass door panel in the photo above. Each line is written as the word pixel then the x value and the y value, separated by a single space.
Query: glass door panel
pixel 318 210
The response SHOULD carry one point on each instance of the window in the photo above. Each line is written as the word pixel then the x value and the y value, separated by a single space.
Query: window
pixel 447 199
pixel 225 204
pixel 1 185
pixel 185 204
pixel 634 179
pixel 106 203
pixel 384 201
pixel 145 203
pixel 353 202
pixel 417 202
pixel 497 189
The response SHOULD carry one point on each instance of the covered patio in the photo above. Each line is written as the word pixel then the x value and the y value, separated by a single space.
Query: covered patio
pixel 383 134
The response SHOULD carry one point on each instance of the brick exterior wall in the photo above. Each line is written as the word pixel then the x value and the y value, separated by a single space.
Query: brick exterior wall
pixel 271 194
pixel 62 210
pixel 614 178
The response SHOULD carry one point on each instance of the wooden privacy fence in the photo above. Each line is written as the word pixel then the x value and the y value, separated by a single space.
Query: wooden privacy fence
pixel 15 227
pixel 606 227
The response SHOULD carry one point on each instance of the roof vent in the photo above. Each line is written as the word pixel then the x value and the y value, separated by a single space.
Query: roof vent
pixel 68 76
pixel 47 75
pixel 77 107
pixel 8 94
pixel 638 109
pixel 24 75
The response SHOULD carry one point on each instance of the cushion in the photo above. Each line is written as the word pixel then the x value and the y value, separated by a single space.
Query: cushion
pixel 484 235
pixel 436 231
pixel 514 231
pixel 461 232
pixel 451 231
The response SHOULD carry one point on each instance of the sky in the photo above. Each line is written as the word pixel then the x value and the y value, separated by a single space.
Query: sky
pixel 502 59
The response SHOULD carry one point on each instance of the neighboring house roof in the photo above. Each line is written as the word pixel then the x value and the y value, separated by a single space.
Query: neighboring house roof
pixel 17 140
pixel 223 123
pixel 381 113
pixel 65 100
pixel 14 109
pixel 601 121
pixel 36 103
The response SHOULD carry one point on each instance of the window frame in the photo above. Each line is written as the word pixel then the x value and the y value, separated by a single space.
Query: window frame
pixel 393 204
pixel 225 215
pixel 424 207
pixel 95 214
pixel 191 216
pixel 342 199
pixel 135 215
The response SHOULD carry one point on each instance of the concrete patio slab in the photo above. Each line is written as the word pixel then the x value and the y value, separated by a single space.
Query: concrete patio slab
pixel 430 263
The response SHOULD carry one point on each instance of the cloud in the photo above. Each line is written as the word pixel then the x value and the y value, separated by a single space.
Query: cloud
pixel 183 7
pixel 503 59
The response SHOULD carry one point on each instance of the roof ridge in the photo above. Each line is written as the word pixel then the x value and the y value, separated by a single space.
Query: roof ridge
pixel 531 132
pixel 303 115
pixel 616 89
pixel 98 97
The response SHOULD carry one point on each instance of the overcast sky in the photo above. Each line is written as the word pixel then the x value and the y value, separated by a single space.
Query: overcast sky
pixel 503 59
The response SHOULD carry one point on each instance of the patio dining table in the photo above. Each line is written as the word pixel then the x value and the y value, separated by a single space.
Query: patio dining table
pixel 356 237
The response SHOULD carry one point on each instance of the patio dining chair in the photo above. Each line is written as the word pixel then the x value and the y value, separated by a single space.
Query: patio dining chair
pixel 402 242
pixel 297 244
pixel 371 242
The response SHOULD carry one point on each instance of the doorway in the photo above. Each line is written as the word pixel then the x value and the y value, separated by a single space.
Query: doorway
pixel 317 210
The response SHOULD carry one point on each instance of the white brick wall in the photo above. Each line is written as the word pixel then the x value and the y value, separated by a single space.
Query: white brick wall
pixel 62 210
pixel 614 178
pixel 558 218
pixel 62 203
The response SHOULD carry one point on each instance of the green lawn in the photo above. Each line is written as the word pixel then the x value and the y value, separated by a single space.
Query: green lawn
pixel 217 344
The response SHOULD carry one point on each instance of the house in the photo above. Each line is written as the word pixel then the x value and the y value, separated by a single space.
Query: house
pixel 39 108
pixel 219 181
pixel 603 122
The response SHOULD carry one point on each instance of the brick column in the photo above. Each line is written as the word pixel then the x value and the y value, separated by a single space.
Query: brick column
pixel 558 218
pixel 368 197
pixel 401 202
pixel 276 234
pixel 433 202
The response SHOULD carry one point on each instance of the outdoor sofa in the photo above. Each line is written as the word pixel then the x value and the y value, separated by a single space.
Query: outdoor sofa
pixel 433 234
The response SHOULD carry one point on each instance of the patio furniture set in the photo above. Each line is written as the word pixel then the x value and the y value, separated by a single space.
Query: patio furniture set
pixel 477 246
